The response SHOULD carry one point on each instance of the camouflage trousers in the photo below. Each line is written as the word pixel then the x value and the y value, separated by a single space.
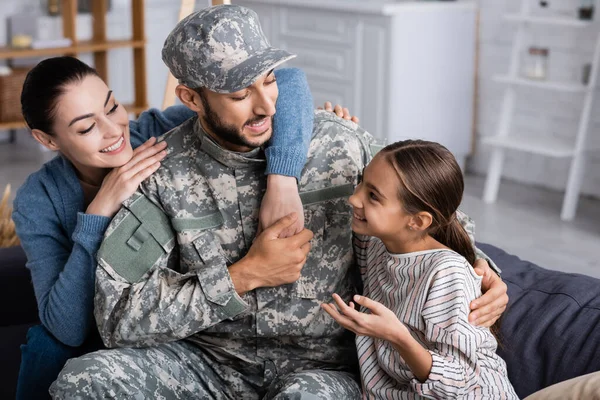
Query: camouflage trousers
pixel 180 370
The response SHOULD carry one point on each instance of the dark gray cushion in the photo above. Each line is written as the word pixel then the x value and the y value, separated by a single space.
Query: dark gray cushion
pixel 551 329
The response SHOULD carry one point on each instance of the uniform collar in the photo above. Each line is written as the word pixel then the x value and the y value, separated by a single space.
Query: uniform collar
pixel 252 159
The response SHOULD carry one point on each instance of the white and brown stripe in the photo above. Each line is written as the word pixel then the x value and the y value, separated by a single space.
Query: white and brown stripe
pixel 430 292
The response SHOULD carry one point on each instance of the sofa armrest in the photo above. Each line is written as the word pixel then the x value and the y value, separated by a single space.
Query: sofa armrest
pixel 17 299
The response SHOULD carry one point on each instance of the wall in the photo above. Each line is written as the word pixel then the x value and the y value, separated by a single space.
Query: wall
pixel 538 112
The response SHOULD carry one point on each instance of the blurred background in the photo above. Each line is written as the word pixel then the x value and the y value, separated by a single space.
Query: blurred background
pixel 507 85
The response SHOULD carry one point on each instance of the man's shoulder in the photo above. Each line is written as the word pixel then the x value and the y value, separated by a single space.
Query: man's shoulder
pixel 329 123
pixel 345 138
pixel 179 138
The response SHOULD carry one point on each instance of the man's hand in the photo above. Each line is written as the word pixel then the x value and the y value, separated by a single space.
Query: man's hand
pixel 281 199
pixel 272 260
pixel 488 308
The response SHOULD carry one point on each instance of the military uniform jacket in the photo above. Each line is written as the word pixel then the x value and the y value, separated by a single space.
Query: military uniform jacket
pixel 163 266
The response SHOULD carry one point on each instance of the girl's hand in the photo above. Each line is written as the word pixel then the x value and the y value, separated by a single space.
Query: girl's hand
pixel 122 182
pixel 382 323
pixel 340 111
pixel 486 310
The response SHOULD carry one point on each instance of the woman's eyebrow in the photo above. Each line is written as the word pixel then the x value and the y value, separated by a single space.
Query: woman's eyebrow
pixel 92 114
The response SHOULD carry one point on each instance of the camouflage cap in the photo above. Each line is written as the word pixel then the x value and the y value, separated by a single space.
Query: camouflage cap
pixel 221 48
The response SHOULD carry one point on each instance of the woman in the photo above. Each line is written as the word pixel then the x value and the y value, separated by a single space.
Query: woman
pixel 62 210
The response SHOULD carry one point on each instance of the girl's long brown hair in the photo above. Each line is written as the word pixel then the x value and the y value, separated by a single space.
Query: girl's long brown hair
pixel 432 181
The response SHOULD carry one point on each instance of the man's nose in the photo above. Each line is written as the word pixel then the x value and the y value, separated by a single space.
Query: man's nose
pixel 265 105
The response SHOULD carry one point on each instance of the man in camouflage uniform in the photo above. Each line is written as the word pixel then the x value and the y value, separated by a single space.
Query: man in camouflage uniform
pixel 203 311
pixel 179 262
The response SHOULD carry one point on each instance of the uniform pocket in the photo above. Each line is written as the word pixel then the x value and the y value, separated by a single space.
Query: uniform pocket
pixel 211 266
pixel 139 236
pixel 306 287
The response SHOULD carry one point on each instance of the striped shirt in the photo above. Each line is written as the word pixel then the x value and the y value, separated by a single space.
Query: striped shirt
pixel 429 291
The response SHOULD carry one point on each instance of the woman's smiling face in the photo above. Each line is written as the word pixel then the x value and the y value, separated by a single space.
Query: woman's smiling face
pixel 91 128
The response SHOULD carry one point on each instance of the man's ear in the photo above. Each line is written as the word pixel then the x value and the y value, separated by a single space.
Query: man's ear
pixel 421 221
pixel 189 97
pixel 45 139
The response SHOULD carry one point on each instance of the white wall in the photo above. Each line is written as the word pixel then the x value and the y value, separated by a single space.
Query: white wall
pixel 538 112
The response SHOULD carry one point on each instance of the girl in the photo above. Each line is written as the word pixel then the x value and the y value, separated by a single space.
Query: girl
pixel 413 338
pixel 62 210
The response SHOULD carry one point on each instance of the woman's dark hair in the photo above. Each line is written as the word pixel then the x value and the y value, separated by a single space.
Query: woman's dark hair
pixel 432 181
pixel 43 86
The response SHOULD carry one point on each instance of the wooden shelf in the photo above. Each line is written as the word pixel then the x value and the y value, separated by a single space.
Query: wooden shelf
pixel 131 109
pixel 87 46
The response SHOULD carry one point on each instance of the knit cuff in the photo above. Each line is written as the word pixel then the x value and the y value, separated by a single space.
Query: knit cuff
pixel 90 227
pixel 285 160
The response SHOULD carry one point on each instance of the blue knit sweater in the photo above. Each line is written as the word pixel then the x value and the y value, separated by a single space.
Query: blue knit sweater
pixel 61 241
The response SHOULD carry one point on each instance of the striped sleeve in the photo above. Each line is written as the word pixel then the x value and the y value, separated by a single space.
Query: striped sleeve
pixel 361 244
pixel 455 369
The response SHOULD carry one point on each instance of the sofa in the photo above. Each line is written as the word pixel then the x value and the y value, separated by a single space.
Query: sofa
pixel 549 333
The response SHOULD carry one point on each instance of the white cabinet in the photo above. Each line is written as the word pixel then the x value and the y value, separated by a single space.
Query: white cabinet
pixel 405 68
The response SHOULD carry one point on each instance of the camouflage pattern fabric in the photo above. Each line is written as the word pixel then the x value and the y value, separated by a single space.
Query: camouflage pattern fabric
pixel 180 370
pixel 220 48
pixel 211 199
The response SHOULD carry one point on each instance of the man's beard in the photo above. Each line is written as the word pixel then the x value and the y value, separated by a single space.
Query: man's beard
pixel 228 133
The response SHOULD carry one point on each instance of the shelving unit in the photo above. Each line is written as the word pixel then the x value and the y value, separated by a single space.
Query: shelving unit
pixel 542 145
pixel 99 45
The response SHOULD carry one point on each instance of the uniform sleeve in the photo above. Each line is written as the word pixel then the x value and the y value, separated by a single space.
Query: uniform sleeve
pixel 292 124
pixel 455 368
pixel 62 268
pixel 141 297
pixel 154 123
pixel 469 225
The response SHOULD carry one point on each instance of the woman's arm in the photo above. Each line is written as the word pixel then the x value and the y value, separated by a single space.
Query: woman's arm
pixel 62 269
pixel 287 149
pixel 292 124
pixel 154 123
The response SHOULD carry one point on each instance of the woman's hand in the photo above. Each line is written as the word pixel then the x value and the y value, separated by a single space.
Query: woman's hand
pixel 340 111
pixel 486 310
pixel 381 323
pixel 122 182
pixel 281 199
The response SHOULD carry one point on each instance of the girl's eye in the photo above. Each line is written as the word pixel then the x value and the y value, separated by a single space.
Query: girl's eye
pixel 373 196
pixel 271 81
pixel 88 130
pixel 112 110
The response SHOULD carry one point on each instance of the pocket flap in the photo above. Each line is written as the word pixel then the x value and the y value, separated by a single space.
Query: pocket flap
pixel 214 274
pixel 154 222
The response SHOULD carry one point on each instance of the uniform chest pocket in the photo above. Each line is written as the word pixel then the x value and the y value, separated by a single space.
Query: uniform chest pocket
pixel 306 286
pixel 202 253
pixel 330 256
pixel 208 260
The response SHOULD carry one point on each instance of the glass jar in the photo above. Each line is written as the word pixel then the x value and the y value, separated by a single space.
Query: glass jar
pixel 536 64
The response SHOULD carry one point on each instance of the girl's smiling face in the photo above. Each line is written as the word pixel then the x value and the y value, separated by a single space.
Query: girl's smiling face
pixel 377 209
